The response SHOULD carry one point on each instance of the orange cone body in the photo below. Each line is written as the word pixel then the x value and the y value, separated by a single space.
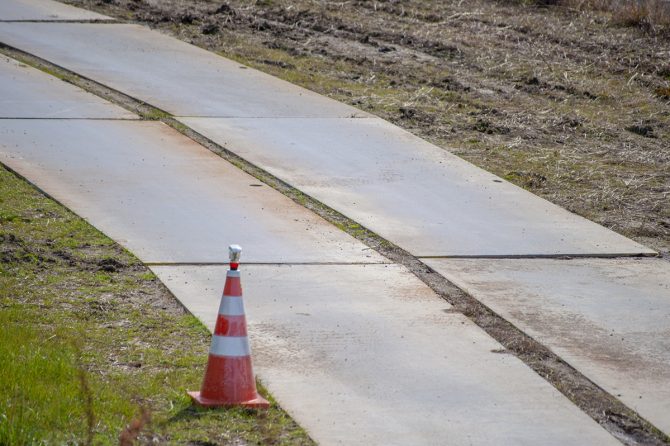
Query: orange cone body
pixel 229 377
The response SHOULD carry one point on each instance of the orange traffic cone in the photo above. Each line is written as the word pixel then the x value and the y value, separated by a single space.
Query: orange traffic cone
pixel 229 378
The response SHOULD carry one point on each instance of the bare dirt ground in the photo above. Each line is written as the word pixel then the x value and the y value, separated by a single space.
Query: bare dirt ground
pixel 561 101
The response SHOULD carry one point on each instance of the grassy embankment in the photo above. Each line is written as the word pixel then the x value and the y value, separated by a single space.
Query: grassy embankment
pixel 91 342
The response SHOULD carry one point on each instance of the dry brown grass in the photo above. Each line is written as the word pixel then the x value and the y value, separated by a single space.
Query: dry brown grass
pixel 651 15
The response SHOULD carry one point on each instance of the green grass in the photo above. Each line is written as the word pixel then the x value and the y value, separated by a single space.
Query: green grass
pixel 90 337
pixel 154 114
pixel 38 383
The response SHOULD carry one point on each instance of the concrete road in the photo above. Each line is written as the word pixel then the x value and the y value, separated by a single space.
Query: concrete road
pixel 609 318
pixel 369 355
pixel 44 10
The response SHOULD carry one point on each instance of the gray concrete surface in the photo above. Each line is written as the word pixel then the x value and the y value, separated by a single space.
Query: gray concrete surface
pixel 368 355
pixel 26 92
pixel 44 10
pixel 168 73
pixel 166 198
pixel 420 197
pixel 608 318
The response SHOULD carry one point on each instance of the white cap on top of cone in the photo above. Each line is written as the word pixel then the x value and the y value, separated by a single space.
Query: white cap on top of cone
pixel 234 252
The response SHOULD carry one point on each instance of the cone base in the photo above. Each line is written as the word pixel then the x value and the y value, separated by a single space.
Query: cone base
pixel 257 403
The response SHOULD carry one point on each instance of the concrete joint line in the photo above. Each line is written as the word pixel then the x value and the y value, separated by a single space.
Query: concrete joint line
pixel 622 422
pixel 67 119
pixel 267 263
pixel 546 256
pixel 279 117
pixel 66 21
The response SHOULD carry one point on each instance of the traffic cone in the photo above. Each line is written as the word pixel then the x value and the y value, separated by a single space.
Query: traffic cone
pixel 229 378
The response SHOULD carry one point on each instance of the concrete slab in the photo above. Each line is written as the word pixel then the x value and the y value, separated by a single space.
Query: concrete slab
pixel 167 73
pixel 26 92
pixel 44 10
pixel 364 355
pixel 608 318
pixel 415 194
pixel 166 198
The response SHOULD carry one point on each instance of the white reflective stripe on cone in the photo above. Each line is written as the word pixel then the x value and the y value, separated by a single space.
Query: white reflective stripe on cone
pixel 231 306
pixel 230 346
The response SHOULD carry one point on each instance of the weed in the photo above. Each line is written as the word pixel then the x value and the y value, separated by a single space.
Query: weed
pixel 154 114
pixel 134 429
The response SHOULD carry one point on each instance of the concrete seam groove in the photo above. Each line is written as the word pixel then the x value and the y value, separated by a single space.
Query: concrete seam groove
pixel 7 118
pixel 280 117
pixel 66 21
pixel 615 417
pixel 546 256
pixel 268 263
